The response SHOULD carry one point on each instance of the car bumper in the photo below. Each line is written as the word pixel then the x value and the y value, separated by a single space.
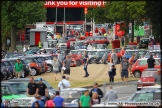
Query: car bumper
pixel 73 64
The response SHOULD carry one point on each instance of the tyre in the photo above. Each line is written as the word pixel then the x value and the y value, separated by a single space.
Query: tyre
pixel 50 68
pixel 137 74
pixel 92 61
pixel 9 75
pixel 33 72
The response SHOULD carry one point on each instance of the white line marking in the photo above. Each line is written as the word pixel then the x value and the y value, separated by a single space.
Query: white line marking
pixel 123 97
pixel 121 86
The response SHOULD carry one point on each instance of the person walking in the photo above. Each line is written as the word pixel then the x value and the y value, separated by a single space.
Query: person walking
pixel 18 68
pixel 64 83
pixel 39 100
pixel 151 62
pixel 66 65
pixel 55 65
pixel 58 100
pixel 111 70
pixel 42 89
pixel 94 99
pixel 98 90
pixel 59 57
pixel 32 88
pixel 131 62
pixel 85 100
pixel 111 94
pixel 114 57
pixel 122 52
pixel 24 49
pixel 68 44
pixel 49 103
pixel 124 70
pixel 85 60
pixel 40 45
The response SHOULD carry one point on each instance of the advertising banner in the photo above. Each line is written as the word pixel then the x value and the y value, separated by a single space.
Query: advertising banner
pixel 139 31
pixel 119 32
pixel 74 4
pixel 85 10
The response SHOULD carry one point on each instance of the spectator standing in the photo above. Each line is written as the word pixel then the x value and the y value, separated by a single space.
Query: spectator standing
pixel 131 62
pixel 49 103
pixel 24 49
pixel 89 47
pixel 94 99
pixel 64 83
pixel 111 70
pixel 68 44
pixel 32 88
pixel 66 64
pixel 40 45
pixel 85 100
pixel 28 47
pixel 18 68
pixel 85 60
pixel 58 100
pixel 122 40
pixel 59 57
pixel 111 94
pixel 157 77
pixel 124 70
pixel 114 57
pixel 98 90
pixel 55 65
pixel 151 62
pixel 122 52
pixel 38 99
pixel 42 89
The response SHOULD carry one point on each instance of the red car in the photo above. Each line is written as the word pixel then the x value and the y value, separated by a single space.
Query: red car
pixel 96 39
pixel 147 78
pixel 73 53
pixel 141 64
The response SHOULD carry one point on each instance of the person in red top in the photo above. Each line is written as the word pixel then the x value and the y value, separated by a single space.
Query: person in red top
pixel 131 62
pixel 68 44
pixel 122 51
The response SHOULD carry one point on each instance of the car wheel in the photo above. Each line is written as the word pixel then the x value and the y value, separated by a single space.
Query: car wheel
pixel 137 74
pixel 9 76
pixel 92 61
pixel 33 72
pixel 50 68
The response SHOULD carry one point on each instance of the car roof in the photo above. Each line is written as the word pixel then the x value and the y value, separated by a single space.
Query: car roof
pixel 20 79
pixel 146 58
pixel 78 89
pixel 148 91
pixel 11 82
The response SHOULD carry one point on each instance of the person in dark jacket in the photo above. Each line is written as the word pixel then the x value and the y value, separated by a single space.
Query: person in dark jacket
pixel 151 62
pixel 98 90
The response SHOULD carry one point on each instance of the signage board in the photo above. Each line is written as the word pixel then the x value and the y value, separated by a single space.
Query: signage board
pixel 154 47
pixel 139 30
pixel 119 32
pixel 73 4
pixel 85 10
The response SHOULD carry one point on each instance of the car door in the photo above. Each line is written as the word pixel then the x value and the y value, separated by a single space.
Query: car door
pixel 142 65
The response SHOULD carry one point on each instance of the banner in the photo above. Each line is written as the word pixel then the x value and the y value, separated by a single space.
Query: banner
pixel 73 4
pixel 119 32
pixel 85 10
pixel 139 31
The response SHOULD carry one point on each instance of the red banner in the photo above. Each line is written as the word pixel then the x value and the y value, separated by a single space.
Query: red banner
pixel 73 4
pixel 85 10
pixel 119 32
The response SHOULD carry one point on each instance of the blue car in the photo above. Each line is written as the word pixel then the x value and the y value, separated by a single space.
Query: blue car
pixel 79 45
pixel 128 53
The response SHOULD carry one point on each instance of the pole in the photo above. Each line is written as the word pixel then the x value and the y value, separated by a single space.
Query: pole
pixel 85 25
pixel 64 23
pixel 55 20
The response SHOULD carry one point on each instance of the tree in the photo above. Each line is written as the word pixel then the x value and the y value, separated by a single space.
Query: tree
pixel 117 11
pixel 16 14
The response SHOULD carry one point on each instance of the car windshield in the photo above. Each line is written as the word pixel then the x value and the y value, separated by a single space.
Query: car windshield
pixel 79 43
pixel 74 52
pixel 30 60
pixel 70 94
pixel 5 90
pixel 101 53
pixel 129 52
pixel 100 46
pixel 93 53
pixel 146 96
pixel 148 73
pixel 19 87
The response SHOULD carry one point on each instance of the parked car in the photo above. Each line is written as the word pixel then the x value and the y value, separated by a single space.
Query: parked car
pixel 43 63
pixel 96 39
pixel 32 51
pixel 105 56
pixel 26 69
pixel 140 54
pixel 99 55
pixel 73 53
pixel 26 81
pixel 128 53
pixel 61 42
pixel 154 87
pixel 147 78
pixel 71 96
pixel 79 45
pixel 3 73
pixel 6 70
pixel 101 46
pixel 9 55
pixel 152 52
pixel 70 38
pixel 144 43
pixel 36 68
pixel 141 64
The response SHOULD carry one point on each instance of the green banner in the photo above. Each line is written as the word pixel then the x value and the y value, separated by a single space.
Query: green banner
pixel 139 31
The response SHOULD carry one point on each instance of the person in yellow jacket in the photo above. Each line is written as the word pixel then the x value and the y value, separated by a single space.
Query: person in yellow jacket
pixel 40 45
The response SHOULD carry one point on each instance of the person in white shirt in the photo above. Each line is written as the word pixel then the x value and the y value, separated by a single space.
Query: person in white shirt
pixel 28 47
pixel 24 49
pixel 63 84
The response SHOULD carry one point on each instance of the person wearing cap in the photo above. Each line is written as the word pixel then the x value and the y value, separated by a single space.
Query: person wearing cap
pixel 131 62
pixel 39 100
pixel 32 88
pixel 42 89
pixel 85 100
pixel 64 83
pixel 98 90
pixel 124 70
pixel 18 68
